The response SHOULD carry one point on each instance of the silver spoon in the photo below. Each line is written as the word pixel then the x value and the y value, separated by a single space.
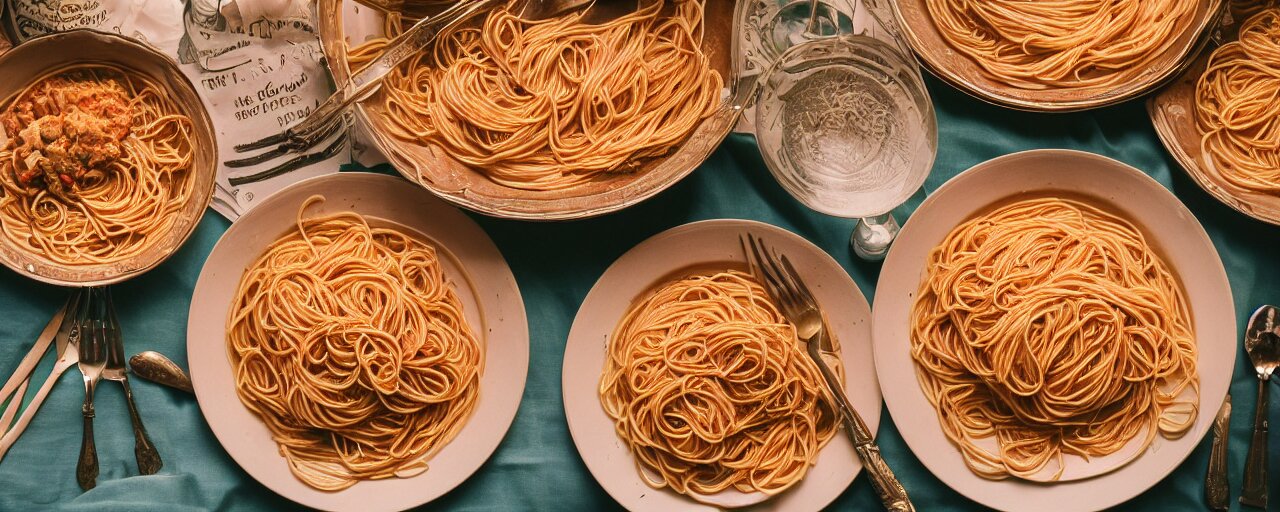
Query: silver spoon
pixel 1262 342
pixel 157 368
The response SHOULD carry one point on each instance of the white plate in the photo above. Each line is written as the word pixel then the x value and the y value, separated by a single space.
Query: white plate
pixel 1167 225
pixel 478 272
pixel 665 256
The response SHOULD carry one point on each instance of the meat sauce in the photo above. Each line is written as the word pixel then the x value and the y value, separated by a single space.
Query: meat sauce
pixel 64 128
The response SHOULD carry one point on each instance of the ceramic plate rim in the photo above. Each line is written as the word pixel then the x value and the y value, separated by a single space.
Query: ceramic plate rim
pixel 1214 337
pixel 580 401
pixel 500 307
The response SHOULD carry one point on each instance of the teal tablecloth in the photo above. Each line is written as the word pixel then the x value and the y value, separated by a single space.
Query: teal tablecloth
pixel 537 467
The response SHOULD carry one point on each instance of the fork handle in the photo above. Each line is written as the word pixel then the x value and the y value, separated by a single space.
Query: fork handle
pixel 144 451
pixel 891 492
pixel 1254 492
pixel 87 466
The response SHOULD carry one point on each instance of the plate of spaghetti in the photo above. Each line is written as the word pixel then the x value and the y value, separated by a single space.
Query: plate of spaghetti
pixel 579 115
pixel 1219 119
pixel 356 344
pixel 686 389
pixel 1056 56
pixel 106 158
pixel 1063 321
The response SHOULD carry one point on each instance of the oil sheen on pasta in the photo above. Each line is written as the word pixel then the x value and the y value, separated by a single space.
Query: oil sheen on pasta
pixel 710 389
pixel 350 344
pixel 96 167
pixel 552 104
pixel 1052 327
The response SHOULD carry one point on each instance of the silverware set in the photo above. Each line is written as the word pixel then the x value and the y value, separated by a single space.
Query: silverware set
pixel 797 303
pixel 87 335
pixel 1262 342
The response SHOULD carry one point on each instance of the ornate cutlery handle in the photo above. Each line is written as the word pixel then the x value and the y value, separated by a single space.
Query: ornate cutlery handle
pixel 1217 492
pixel 1255 465
pixel 892 494
pixel 87 467
pixel 149 462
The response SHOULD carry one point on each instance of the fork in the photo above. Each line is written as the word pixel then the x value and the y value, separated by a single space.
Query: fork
pixel 144 451
pixel 785 287
pixel 93 357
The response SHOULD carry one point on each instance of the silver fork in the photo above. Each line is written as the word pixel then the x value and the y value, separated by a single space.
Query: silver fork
pixel 93 357
pixel 786 288
pixel 143 450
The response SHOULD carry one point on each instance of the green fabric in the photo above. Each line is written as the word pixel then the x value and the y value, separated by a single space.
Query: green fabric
pixel 537 467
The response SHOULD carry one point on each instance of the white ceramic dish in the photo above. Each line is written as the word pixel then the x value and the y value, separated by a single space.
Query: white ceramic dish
pixel 473 264
pixel 665 256
pixel 1167 225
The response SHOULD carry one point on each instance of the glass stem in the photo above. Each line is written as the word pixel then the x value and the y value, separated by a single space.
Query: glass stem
pixel 873 235
pixel 811 29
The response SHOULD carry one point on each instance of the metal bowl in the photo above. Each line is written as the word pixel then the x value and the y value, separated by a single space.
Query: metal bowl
pixel 32 59
pixel 433 168
pixel 963 73
pixel 1173 112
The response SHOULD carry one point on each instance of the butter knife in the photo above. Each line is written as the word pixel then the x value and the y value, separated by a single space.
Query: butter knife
pixel 1217 493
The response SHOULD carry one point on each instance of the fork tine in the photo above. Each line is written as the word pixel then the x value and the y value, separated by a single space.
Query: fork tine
pixel 801 289
pixel 269 140
pixel 772 279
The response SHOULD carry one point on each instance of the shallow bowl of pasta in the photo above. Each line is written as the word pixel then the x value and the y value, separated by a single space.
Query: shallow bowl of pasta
pixel 684 389
pixel 107 161
pixel 1212 122
pixel 1053 327
pixel 1059 56
pixel 416 342
pixel 560 119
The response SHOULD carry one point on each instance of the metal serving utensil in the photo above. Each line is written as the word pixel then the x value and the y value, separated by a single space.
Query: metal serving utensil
pixel 411 9
pixel 66 339
pixel 330 115
pixel 16 387
pixel 149 462
pixel 796 301
pixel 93 357
pixel 159 369
pixel 1217 490
pixel 1262 342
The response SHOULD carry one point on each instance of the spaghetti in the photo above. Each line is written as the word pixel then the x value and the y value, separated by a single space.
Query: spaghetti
pixel 1237 112
pixel 97 165
pixel 1053 327
pixel 350 344
pixel 552 104
pixel 708 386
pixel 1062 44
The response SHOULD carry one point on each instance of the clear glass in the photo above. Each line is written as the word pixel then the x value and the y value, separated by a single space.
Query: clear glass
pixel 847 127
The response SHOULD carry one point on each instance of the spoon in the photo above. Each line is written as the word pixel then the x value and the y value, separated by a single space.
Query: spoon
pixel 157 368
pixel 1262 342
